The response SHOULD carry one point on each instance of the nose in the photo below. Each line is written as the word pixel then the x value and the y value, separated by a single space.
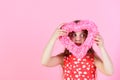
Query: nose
pixel 78 38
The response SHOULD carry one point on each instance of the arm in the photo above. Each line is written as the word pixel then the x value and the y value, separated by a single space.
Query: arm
pixel 47 59
pixel 104 64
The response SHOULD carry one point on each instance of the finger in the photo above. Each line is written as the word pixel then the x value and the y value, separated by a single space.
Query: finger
pixel 60 26
pixel 63 34
pixel 63 31
pixel 98 37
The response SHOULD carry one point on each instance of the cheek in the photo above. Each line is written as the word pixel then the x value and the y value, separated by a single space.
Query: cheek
pixel 72 39
pixel 83 40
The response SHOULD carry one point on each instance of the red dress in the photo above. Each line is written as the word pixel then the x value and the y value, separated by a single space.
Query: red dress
pixel 79 69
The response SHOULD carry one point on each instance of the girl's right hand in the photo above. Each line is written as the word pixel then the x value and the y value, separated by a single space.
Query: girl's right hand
pixel 59 32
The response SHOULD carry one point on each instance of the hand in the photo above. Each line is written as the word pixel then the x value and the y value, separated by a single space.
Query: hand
pixel 59 32
pixel 99 40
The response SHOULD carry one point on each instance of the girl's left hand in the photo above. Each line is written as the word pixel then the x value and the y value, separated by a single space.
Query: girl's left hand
pixel 99 40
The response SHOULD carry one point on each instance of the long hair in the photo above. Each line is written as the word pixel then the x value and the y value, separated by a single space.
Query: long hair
pixel 67 52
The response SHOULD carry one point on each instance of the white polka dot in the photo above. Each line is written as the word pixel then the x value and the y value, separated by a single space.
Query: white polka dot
pixel 79 68
pixel 82 62
pixel 67 74
pixel 76 65
pixel 87 63
pixel 85 72
pixel 73 66
pixel 83 66
pixel 67 58
pixel 68 71
pixel 79 59
pixel 83 75
pixel 75 62
pixel 66 61
pixel 84 59
pixel 91 71
pixel 65 70
pixel 74 71
pixel 88 68
pixel 64 66
pixel 67 65
pixel 76 76
pixel 92 66
pixel 68 78
pixel 80 72
pixel 74 59
pixel 85 78
pixel 70 65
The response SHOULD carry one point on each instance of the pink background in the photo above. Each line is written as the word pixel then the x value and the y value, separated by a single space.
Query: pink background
pixel 26 26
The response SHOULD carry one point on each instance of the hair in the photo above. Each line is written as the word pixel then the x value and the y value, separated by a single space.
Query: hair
pixel 66 51
pixel 76 21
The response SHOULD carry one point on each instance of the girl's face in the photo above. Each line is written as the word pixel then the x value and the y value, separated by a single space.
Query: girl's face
pixel 78 37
